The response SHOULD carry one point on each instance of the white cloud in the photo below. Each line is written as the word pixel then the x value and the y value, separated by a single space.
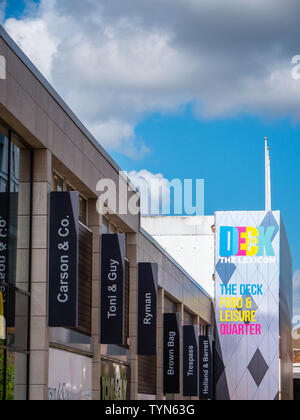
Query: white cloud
pixel 119 136
pixel 115 61
pixel 154 190
pixel 35 40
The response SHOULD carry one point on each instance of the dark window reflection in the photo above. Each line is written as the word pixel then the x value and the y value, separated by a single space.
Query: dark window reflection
pixel 1 373
pixel 4 151
pixel 13 375
pixel 15 205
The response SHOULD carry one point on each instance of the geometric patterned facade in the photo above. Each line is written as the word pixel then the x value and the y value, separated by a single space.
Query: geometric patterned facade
pixel 247 366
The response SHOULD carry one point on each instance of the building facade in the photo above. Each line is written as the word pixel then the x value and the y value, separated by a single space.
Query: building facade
pixel 43 149
pixel 190 240
pixel 249 254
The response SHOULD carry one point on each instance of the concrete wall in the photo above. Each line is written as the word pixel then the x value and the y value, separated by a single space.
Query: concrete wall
pixel 173 279
pixel 190 241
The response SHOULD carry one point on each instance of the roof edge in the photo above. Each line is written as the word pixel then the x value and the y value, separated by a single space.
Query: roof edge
pixel 43 81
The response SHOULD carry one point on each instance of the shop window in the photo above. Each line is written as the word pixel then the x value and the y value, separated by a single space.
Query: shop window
pixel 114 381
pixel 203 329
pixel 4 150
pixel 82 206
pixel 70 376
pixel 14 168
pixel 13 369
pixel 82 210
pixel 15 215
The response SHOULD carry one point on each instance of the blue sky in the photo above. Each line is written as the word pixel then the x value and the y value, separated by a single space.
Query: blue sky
pixel 229 155
pixel 211 122
pixel 17 8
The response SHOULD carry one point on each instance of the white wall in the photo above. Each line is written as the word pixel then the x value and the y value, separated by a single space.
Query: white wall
pixel 190 241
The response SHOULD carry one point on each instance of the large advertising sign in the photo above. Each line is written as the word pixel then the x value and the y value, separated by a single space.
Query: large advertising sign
pixel 70 376
pixel 247 287
pixel 205 368
pixel 190 361
pixel 147 308
pixel 112 288
pixel 63 259
pixel 171 360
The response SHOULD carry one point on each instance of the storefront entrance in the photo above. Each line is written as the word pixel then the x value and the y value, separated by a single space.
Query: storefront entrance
pixel 115 381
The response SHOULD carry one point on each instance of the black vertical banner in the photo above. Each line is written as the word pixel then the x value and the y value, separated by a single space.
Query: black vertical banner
pixel 4 241
pixel 63 259
pixel 4 260
pixel 112 288
pixel 205 368
pixel 190 361
pixel 171 362
pixel 147 308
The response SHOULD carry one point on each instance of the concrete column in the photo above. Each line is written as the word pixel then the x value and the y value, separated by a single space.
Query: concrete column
pixel 94 223
pixel 39 332
pixel 131 239
pixel 22 265
pixel 159 357
pixel 180 309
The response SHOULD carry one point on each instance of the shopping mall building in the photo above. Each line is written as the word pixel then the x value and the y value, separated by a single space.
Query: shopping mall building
pixel 50 348
pixel 92 306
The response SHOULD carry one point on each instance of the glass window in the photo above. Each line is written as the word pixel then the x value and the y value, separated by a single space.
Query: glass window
pixel 14 168
pixel 82 210
pixel 4 150
pixel 82 206
pixel 15 216
pixel 1 373
pixel 58 183
pixel 115 381
pixel 13 375
pixel 105 225
pixel 19 215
